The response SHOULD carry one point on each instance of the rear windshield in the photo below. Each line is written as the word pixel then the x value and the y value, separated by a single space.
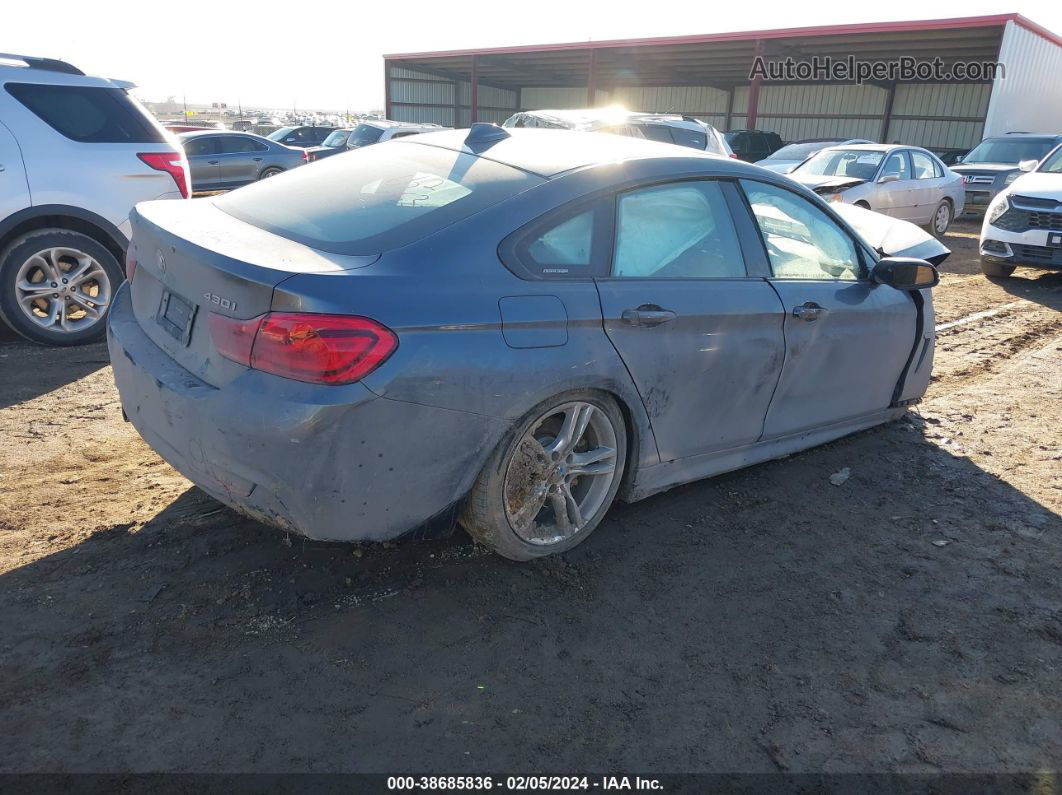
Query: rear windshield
pixel 377 198
pixel 89 114
pixel 365 134
pixel 276 135
pixel 337 138
pixel 801 151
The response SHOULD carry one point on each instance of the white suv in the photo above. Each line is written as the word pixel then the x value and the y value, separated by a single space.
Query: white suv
pixel 76 153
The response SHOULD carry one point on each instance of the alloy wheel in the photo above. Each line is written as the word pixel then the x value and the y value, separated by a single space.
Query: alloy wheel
pixel 63 289
pixel 942 219
pixel 560 473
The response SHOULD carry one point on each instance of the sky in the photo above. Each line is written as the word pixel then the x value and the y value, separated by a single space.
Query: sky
pixel 327 55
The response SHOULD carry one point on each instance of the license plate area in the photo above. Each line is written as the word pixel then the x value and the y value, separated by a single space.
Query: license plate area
pixel 176 316
pixel 1054 239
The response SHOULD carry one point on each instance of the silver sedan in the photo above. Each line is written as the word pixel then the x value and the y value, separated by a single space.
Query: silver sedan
pixel 905 182
pixel 220 160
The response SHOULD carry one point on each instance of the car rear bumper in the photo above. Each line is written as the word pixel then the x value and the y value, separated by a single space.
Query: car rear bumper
pixel 330 463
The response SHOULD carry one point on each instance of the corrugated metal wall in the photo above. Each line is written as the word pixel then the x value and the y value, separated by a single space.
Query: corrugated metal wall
pixel 422 97
pixel 965 103
pixel 1029 97
pixel 939 116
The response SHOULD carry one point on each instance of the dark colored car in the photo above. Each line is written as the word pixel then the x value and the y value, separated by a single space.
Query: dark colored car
pixel 512 327
pixel 753 145
pixel 950 157
pixel 301 137
pixel 992 165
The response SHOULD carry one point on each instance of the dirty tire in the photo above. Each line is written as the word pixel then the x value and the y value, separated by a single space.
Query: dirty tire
pixel 270 172
pixel 16 256
pixel 995 270
pixel 485 516
pixel 941 220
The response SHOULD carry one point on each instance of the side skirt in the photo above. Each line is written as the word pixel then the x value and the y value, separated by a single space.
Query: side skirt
pixel 654 479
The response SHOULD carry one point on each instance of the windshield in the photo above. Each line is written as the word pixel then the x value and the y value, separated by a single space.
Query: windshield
pixel 800 151
pixel 337 138
pixel 1009 150
pixel 276 135
pixel 364 134
pixel 1053 163
pixel 857 163
pixel 376 198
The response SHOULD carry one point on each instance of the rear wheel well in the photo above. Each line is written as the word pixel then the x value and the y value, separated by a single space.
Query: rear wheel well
pixel 864 204
pixel 67 222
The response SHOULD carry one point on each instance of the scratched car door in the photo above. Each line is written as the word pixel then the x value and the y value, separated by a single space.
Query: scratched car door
pixel 701 338
pixel 847 338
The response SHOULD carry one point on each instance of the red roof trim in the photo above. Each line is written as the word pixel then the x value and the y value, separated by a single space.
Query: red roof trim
pixel 1039 30
pixel 750 35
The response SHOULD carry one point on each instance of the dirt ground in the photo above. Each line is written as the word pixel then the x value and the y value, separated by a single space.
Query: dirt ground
pixel 909 619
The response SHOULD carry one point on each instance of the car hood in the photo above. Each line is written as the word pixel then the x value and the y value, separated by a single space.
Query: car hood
pixel 993 168
pixel 1038 185
pixel 891 236
pixel 821 184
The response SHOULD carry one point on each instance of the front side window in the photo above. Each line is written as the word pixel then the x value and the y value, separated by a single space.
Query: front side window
pixel 363 135
pixel 896 166
pixel 677 231
pixel 88 114
pixel 802 241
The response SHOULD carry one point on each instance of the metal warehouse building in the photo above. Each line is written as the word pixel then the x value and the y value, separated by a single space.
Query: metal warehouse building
pixel 708 77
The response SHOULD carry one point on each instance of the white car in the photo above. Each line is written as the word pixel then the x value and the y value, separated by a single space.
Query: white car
pixel 76 153
pixel 669 128
pixel 1023 224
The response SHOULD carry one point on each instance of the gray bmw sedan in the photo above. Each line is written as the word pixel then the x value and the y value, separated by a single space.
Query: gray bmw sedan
pixel 513 327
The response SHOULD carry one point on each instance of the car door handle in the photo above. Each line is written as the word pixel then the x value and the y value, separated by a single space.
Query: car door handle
pixel 257 159
pixel 213 162
pixel 647 316
pixel 808 311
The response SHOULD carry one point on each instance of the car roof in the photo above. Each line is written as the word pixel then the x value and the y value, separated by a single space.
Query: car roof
pixel 386 124
pixel 615 116
pixel 548 153
pixel 48 71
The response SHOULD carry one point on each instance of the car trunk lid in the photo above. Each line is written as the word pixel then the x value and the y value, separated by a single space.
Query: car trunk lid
pixel 200 260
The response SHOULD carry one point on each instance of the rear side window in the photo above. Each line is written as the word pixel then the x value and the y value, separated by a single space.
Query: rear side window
pixel 235 144
pixel 694 139
pixel 88 114
pixel 678 231
pixel 657 132
pixel 376 198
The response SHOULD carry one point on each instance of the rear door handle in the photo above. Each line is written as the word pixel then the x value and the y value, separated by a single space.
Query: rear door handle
pixel 647 316
pixel 212 162
pixel 257 159
pixel 808 311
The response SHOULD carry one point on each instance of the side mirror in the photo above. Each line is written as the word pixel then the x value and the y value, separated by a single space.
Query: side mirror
pixel 888 178
pixel 905 273
pixel 1028 165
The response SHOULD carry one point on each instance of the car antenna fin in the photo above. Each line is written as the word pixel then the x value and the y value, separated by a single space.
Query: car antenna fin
pixel 484 133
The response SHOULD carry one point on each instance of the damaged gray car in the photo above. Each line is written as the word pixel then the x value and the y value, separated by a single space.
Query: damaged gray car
pixel 510 328
pixel 904 182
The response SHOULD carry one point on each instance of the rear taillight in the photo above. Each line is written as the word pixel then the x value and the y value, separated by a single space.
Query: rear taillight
pixel 173 164
pixel 130 264
pixel 306 156
pixel 734 156
pixel 233 338
pixel 319 349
